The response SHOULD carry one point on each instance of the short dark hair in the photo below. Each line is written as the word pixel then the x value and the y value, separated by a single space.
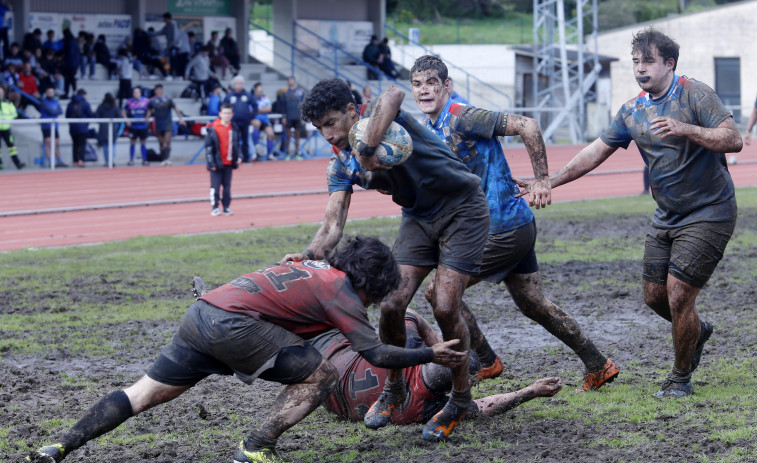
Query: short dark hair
pixel 644 41
pixel 157 86
pixel 369 264
pixel 226 105
pixel 257 84
pixel 430 62
pixel 326 95
pixel 167 15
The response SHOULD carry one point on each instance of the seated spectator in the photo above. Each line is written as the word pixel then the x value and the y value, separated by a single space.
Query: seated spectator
pixel 14 56
pixel 261 121
pixel 49 108
pixel 79 108
pixel 102 56
pixel 371 54
pixel 33 41
pixel 217 59
pixel 10 76
pixel 50 75
pixel 108 109
pixel 385 59
pixel 195 46
pixel 56 45
pixel 200 72
pixel 231 50
pixel 214 100
pixel 28 83
pixel 367 97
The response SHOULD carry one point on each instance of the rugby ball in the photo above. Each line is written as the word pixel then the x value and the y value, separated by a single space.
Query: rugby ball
pixel 395 147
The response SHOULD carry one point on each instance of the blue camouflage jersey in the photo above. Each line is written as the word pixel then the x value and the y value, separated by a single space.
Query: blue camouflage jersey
pixel 469 132
pixel 429 183
pixel 690 183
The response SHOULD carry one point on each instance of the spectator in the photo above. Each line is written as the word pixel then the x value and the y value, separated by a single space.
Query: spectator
pixel 87 46
pixel 10 75
pixel 454 95
pixel 146 54
pixel 231 50
pixel 222 143
pixel 52 76
pixel 124 67
pixel 136 107
pixel 292 99
pixel 28 83
pixel 108 109
pixel 71 59
pixel 371 54
pixel 79 108
pixel 217 59
pixel 195 46
pixel 214 101
pixel 49 108
pixel 56 45
pixel 245 110
pixel 182 54
pixel 261 121
pixel 161 106
pixel 367 96
pixel 4 9
pixel 8 112
pixel 172 32
pixel 33 41
pixel 200 72
pixel 102 56
pixel 385 59
pixel 14 56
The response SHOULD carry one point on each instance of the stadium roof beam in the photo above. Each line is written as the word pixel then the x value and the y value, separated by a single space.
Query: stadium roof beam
pixel 562 86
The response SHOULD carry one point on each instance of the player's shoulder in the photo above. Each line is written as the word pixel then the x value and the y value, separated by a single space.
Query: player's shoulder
pixel 695 87
pixel 456 108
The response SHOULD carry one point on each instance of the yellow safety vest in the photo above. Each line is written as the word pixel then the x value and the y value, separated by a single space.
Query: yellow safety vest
pixel 7 112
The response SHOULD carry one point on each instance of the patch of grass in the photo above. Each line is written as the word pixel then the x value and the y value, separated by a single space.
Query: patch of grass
pixel 516 28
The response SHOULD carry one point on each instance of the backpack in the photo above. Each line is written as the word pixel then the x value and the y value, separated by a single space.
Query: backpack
pixel 90 155
pixel 74 110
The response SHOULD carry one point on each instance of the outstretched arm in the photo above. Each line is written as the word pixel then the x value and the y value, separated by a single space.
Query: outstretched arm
pixel 330 232
pixel 584 162
pixel 528 129
pixel 725 138
pixel 500 403
pixel 383 112
pixel 429 336
pixel 750 125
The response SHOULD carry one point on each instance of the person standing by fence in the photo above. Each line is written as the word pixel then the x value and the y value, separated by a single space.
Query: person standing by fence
pixel 222 154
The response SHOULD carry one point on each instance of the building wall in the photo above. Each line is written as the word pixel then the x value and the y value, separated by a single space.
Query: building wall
pixel 723 32
pixel 81 6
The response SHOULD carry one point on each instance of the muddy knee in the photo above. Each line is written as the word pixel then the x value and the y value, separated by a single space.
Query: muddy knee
pixel 429 291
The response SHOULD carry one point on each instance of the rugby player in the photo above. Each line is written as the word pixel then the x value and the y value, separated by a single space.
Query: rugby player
pixel 255 327
pixel 509 256
pixel 444 223
pixel 683 132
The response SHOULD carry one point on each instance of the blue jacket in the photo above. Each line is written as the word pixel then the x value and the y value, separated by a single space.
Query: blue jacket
pixel 49 108
pixel 78 108
pixel 245 108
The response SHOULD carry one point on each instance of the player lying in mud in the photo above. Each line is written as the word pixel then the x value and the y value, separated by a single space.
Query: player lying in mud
pixel 255 327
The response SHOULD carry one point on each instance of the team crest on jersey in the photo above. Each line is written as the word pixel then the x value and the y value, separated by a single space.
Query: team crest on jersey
pixel 316 264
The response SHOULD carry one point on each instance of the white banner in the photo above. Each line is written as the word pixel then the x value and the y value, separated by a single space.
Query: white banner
pixel 350 36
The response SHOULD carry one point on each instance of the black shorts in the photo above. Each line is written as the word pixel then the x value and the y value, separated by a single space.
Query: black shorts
pixel 509 252
pixel 46 132
pixel 454 241
pixel 214 341
pixel 690 253
pixel 263 124
pixel 138 133
pixel 293 123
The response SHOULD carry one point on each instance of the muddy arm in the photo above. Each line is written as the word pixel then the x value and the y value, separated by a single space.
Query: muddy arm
pixel 330 232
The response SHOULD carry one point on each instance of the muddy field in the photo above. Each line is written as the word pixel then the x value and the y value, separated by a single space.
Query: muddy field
pixel 605 297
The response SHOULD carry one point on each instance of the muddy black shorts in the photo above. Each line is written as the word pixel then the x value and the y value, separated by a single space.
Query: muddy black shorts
pixel 509 252
pixel 454 241
pixel 214 341
pixel 138 133
pixel 689 253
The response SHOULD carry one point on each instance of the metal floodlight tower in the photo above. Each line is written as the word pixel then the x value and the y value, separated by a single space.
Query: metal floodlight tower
pixel 562 84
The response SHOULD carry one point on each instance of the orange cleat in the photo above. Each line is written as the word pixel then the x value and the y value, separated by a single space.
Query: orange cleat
pixel 442 424
pixel 492 371
pixel 595 380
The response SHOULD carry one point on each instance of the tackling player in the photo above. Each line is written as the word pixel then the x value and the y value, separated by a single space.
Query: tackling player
pixel 682 131
pixel 256 326
pixel 444 224
pixel 509 255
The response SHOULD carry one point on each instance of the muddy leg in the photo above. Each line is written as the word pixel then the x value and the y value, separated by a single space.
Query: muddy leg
pixel 656 297
pixel 528 295
pixel 685 319
pixel 446 300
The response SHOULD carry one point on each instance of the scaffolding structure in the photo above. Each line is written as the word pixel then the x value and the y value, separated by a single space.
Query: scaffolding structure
pixel 562 85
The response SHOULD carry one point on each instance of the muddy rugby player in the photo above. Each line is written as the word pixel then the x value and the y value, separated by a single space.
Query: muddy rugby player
pixel 509 255
pixel 444 223
pixel 255 327
pixel 682 131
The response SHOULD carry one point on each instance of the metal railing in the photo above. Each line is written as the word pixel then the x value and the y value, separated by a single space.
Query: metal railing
pixel 470 83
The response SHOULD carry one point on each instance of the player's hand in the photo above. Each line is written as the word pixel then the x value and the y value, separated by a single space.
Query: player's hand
pixel 443 355
pixel 547 387
pixel 183 122
pixel 540 193
pixel 667 126
pixel 295 257
pixel 748 138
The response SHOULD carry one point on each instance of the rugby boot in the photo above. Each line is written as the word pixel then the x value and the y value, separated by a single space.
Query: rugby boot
pixel 441 425
pixel 492 371
pixel 198 287
pixel 595 380
pixel 705 331
pixel 261 455
pixel 380 413
pixel 48 454
pixel 674 389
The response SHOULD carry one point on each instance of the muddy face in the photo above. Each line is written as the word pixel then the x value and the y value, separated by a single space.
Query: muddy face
pixel 652 73
pixel 335 126
pixel 430 92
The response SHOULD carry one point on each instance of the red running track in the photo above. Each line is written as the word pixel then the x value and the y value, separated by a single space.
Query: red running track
pixel 82 206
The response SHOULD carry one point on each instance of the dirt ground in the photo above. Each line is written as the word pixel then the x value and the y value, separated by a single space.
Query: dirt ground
pixel 605 298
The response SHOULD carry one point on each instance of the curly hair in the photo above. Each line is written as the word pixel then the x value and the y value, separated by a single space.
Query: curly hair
pixel 326 95
pixel 369 264
pixel 430 63
pixel 644 41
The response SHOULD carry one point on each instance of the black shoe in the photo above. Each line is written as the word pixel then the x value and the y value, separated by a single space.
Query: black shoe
pixel 20 165
pixel 705 331
pixel 61 164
